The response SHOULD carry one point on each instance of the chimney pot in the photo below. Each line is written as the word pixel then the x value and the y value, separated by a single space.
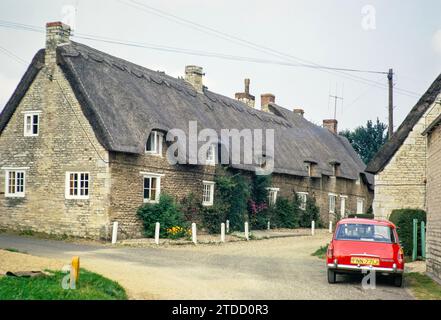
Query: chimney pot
pixel 331 125
pixel 265 100
pixel 247 86
pixel 246 97
pixel 194 75
pixel 299 111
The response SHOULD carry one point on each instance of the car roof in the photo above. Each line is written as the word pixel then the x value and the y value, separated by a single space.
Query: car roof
pixel 367 221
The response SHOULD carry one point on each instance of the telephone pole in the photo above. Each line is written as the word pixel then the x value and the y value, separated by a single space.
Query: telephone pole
pixel 390 77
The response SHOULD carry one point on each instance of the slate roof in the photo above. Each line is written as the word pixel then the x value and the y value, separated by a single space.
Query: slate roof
pixel 389 149
pixel 124 102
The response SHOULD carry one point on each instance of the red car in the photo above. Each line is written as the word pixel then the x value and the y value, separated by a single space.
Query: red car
pixel 362 244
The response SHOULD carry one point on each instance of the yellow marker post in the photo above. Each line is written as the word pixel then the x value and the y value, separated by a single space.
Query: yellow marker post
pixel 75 270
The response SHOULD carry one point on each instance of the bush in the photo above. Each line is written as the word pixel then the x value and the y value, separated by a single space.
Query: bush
pixel 311 213
pixel 258 215
pixel 403 219
pixel 191 208
pixel 239 199
pixel 362 215
pixel 166 212
pixel 212 217
pixel 285 214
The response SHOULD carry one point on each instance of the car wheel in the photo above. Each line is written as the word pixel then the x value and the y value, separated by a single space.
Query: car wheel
pixel 398 280
pixel 332 277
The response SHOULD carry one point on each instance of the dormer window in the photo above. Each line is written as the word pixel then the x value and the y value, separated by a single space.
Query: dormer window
pixel 309 166
pixel 335 168
pixel 31 123
pixel 154 143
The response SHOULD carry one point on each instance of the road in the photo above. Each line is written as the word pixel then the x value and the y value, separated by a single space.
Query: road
pixel 266 269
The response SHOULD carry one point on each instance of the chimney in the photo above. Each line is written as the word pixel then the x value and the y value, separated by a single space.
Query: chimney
pixel 193 75
pixel 265 100
pixel 331 125
pixel 299 111
pixel 246 97
pixel 57 33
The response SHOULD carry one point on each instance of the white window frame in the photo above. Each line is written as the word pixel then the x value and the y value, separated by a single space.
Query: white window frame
pixel 272 195
pixel 15 194
pixel 148 175
pixel 332 204
pixel 211 155
pixel 303 199
pixel 157 143
pixel 343 201
pixel 210 186
pixel 31 114
pixel 360 210
pixel 78 196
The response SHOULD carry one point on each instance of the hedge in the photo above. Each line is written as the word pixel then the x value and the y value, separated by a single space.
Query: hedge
pixel 403 220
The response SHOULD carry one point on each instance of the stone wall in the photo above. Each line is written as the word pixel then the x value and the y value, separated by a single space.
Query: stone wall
pixel 434 204
pixel 66 142
pixel 402 183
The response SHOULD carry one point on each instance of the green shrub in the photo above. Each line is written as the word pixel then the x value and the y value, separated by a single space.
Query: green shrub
pixel 258 211
pixel 285 213
pixel 311 213
pixel 213 217
pixel 166 212
pixel 362 215
pixel 238 205
pixel 403 219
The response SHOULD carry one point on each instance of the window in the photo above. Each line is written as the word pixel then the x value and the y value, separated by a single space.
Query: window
pixel 77 185
pixel 208 193
pixel 152 188
pixel 360 206
pixel 154 143
pixel 365 232
pixel 332 200
pixel 272 196
pixel 31 123
pixel 15 183
pixel 211 155
pixel 303 196
pixel 343 205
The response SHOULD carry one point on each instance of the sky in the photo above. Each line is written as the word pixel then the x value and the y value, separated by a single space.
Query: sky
pixel 366 35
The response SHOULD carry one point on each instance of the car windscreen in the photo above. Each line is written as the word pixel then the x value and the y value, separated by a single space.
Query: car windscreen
pixel 365 232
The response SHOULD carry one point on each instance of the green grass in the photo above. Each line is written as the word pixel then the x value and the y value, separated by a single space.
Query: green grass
pixel 14 250
pixel 91 286
pixel 423 287
pixel 321 252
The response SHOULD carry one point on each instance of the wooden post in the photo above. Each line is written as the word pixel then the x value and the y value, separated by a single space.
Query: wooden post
pixel 330 226
pixel 193 233
pixel 415 240
pixel 269 225
pixel 115 232
pixel 390 78
pixel 157 229
pixel 312 228
pixel 247 231
pixel 222 232
pixel 75 272
pixel 423 239
pixel 228 226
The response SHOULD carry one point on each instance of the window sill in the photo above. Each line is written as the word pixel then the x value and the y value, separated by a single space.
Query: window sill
pixel 12 196
pixel 207 204
pixel 77 198
pixel 151 201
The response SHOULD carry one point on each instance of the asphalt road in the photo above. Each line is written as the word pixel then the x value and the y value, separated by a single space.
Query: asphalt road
pixel 266 269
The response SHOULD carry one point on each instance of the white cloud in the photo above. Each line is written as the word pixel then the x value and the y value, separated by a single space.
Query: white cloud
pixel 7 86
pixel 436 41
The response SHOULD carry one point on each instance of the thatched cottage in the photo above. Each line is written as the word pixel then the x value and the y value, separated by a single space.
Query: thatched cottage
pixel 82 144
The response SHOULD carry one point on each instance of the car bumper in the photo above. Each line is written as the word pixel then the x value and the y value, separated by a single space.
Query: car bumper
pixel 346 267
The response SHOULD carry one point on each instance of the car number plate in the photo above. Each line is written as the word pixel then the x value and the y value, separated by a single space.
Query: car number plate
pixel 365 261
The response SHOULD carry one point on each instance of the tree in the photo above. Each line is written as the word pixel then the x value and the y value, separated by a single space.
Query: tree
pixel 366 141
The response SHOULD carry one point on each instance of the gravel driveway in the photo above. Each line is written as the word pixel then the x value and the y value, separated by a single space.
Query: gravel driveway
pixel 280 268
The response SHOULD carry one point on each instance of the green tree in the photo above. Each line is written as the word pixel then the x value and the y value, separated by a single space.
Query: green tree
pixel 311 213
pixel 367 140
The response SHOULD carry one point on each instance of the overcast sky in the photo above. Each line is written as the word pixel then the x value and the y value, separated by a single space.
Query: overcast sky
pixel 368 35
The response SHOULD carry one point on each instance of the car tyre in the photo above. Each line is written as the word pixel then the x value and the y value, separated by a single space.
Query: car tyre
pixel 332 276
pixel 398 280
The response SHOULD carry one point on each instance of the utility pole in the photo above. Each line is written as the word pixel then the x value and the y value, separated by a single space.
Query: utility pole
pixel 335 104
pixel 390 77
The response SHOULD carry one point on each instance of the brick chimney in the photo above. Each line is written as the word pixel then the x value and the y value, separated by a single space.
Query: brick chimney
pixel 193 75
pixel 331 125
pixel 265 100
pixel 57 33
pixel 246 97
pixel 299 111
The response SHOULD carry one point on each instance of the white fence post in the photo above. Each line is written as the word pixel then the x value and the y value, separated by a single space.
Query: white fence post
pixel 269 225
pixel 115 232
pixel 247 233
pixel 330 226
pixel 193 233
pixel 313 228
pixel 222 232
pixel 228 226
pixel 157 228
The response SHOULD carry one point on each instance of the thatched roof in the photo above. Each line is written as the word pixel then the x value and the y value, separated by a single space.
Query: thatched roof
pixel 124 102
pixel 389 149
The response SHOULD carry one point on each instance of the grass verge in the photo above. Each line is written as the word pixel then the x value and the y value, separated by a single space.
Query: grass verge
pixel 91 286
pixel 14 250
pixel 321 252
pixel 423 287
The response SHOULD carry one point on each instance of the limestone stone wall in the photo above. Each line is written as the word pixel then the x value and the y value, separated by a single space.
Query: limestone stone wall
pixel 402 183
pixel 434 204
pixel 66 142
